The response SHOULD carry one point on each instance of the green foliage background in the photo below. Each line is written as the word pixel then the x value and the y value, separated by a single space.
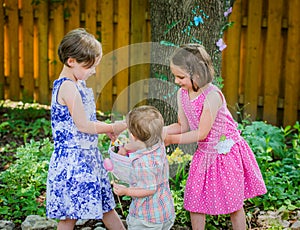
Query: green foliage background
pixel 24 167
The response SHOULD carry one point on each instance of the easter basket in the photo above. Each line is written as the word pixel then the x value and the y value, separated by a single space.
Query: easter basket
pixel 122 165
pixel 135 172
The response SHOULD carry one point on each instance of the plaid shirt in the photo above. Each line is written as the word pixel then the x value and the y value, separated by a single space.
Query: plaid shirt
pixel 151 171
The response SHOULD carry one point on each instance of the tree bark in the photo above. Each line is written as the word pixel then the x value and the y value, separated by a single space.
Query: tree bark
pixel 173 24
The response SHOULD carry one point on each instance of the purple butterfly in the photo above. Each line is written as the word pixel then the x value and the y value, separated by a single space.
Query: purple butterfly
pixel 221 44
pixel 229 11
pixel 198 20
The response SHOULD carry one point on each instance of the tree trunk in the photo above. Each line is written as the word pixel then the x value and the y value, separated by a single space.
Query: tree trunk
pixel 173 24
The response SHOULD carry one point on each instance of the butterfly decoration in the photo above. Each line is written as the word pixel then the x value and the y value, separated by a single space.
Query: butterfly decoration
pixel 187 30
pixel 221 44
pixel 196 40
pixel 167 43
pixel 198 20
pixel 172 93
pixel 227 12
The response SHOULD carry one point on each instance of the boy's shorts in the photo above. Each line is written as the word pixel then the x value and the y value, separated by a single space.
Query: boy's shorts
pixel 137 224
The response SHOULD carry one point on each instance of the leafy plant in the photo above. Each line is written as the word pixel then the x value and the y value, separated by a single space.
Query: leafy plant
pixel 23 121
pixel 277 151
pixel 181 162
pixel 23 184
pixel 182 216
pixel 7 155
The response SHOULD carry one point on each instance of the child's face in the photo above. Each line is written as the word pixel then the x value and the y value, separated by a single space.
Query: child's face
pixel 181 77
pixel 83 73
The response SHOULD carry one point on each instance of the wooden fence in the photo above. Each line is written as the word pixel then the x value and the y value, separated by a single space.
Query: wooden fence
pixel 261 65
pixel 30 34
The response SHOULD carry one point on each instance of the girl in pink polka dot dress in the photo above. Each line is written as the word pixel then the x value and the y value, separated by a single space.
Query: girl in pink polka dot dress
pixel 223 171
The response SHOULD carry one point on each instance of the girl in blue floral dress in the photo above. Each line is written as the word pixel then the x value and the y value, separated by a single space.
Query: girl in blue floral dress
pixel 78 186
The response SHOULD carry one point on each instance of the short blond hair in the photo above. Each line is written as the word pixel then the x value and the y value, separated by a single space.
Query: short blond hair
pixel 146 124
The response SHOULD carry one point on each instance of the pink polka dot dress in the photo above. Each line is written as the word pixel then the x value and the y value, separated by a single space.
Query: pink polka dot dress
pixel 223 171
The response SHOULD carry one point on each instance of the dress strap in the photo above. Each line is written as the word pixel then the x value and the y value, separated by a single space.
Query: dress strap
pixel 211 88
pixel 208 89
pixel 56 86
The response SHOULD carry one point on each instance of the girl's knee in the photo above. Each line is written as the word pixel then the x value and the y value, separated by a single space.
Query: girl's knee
pixel 67 224
pixel 238 212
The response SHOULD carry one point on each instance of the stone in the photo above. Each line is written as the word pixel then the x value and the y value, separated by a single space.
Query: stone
pixel 6 225
pixel 35 222
pixel 285 223
pixel 99 228
pixel 81 222
pixel 296 225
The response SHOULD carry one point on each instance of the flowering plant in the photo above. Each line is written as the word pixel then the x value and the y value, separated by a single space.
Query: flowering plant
pixel 182 160
pixel 122 139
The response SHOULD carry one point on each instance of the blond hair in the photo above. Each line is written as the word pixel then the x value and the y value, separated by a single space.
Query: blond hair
pixel 146 124
pixel 194 59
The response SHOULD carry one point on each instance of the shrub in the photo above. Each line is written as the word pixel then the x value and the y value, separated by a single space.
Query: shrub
pixel 277 151
pixel 23 184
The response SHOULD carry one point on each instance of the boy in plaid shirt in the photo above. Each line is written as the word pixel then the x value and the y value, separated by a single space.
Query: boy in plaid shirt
pixel 152 203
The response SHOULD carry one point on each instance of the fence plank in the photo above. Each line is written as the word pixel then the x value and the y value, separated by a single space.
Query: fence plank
pixel 253 56
pixel 28 78
pixel 73 17
pixel 42 27
pixel 105 70
pixel 122 41
pixel 272 62
pixel 2 80
pixel 90 25
pixel 59 32
pixel 291 95
pixel 138 35
pixel 231 58
pixel 13 31
pixel 254 73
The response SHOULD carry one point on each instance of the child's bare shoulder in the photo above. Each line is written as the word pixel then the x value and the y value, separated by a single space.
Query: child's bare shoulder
pixel 214 97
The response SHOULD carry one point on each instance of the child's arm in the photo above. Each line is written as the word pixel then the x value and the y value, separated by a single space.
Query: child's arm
pixel 70 96
pixel 121 190
pixel 210 109
pixel 182 125
pixel 131 146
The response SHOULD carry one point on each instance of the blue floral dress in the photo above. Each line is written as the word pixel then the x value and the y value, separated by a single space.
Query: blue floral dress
pixel 77 186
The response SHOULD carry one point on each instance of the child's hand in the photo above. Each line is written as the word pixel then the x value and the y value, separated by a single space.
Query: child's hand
pixel 168 139
pixel 120 190
pixel 119 127
pixel 112 136
pixel 164 132
pixel 122 151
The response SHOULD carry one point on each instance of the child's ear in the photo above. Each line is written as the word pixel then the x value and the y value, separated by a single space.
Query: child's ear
pixel 133 137
pixel 71 62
